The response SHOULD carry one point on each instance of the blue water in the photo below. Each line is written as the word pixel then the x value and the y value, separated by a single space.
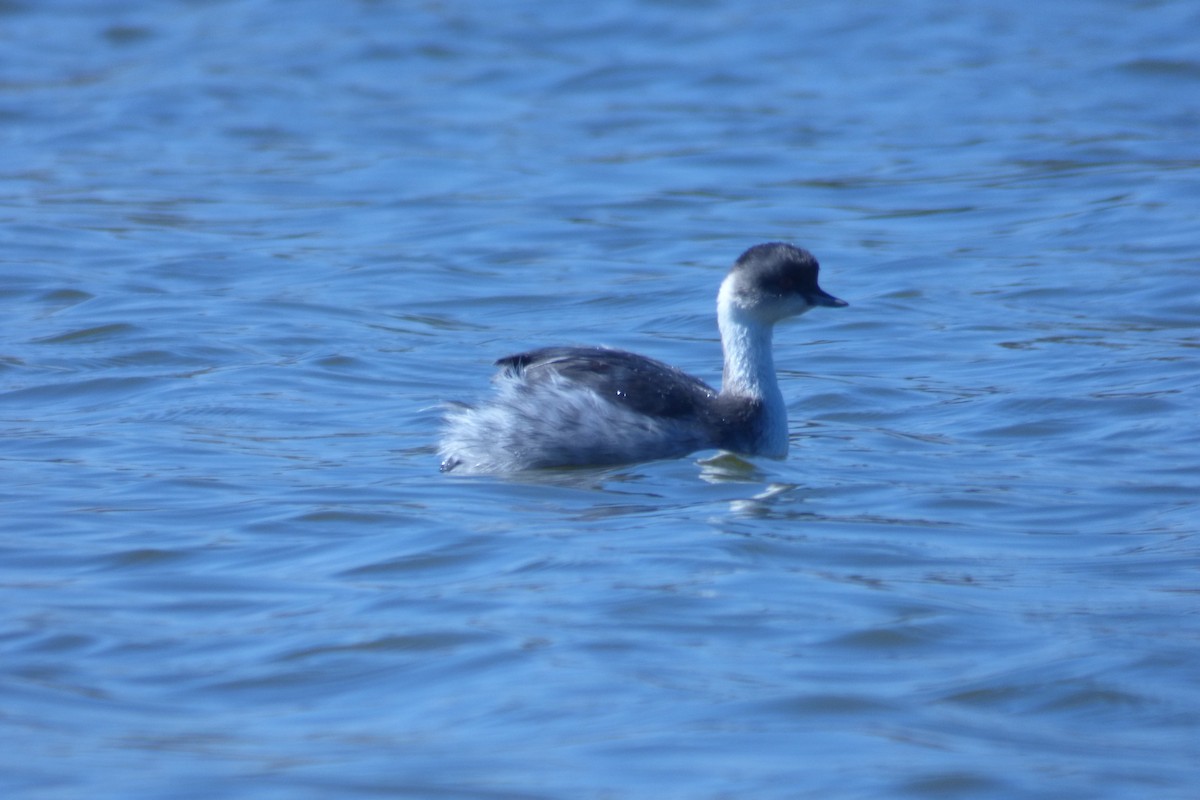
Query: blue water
pixel 250 245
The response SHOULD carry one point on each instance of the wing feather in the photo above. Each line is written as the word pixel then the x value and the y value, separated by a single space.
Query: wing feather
pixel 640 384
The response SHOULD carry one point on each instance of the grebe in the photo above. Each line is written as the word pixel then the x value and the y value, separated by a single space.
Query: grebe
pixel 594 406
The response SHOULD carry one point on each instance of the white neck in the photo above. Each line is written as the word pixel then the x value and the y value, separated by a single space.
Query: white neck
pixel 750 368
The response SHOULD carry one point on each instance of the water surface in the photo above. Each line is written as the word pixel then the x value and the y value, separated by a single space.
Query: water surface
pixel 250 246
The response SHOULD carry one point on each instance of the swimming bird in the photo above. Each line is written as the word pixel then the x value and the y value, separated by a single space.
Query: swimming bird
pixel 595 406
